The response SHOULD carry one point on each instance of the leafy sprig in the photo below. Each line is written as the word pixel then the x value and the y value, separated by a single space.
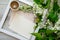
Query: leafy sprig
pixel 26 8
pixel 53 17
pixel 53 14
pixel 46 33
pixel 42 3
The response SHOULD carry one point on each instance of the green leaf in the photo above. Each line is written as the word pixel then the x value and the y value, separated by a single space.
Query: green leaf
pixel 58 10
pixel 38 1
pixel 35 26
pixel 55 6
pixel 51 38
pixel 53 17
pixel 42 30
pixel 37 35
pixel 43 3
pixel 48 4
pixel 38 18
pixel 39 15
pixel 48 32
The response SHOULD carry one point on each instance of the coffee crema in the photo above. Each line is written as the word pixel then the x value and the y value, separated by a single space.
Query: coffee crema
pixel 14 5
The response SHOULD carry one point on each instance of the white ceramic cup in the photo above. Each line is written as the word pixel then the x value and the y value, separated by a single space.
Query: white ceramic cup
pixel 14 5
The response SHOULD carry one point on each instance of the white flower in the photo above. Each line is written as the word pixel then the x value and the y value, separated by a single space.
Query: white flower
pixel 57 25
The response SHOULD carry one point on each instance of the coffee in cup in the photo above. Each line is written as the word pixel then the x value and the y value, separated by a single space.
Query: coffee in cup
pixel 14 5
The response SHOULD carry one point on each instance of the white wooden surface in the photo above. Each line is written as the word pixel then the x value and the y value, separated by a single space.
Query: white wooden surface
pixel 29 2
pixel 4 36
pixel 3 5
pixel 4 2
pixel 2 10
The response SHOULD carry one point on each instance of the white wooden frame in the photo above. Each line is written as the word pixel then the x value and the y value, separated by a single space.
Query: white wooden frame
pixel 27 2
pixel 3 20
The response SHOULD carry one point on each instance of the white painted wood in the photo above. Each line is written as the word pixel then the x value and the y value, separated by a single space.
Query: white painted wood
pixel 3 2
pixel 4 36
pixel 5 14
pixel 27 2
pixel 2 10
pixel 13 34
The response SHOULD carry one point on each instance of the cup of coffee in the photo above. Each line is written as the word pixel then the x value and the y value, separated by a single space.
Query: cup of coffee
pixel 14 5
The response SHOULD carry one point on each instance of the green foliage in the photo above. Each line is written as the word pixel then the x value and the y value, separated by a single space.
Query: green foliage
pixel 26 8
pixel 43 3
pixel 39 16
pixel 46 34
pixel 58 10
pixel 38 36
pixel 53 17
pixel 55 6
pixel 37 19
pixel 53 14
pixel 35 26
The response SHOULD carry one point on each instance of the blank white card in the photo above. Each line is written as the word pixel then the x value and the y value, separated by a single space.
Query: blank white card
pixel 22 25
